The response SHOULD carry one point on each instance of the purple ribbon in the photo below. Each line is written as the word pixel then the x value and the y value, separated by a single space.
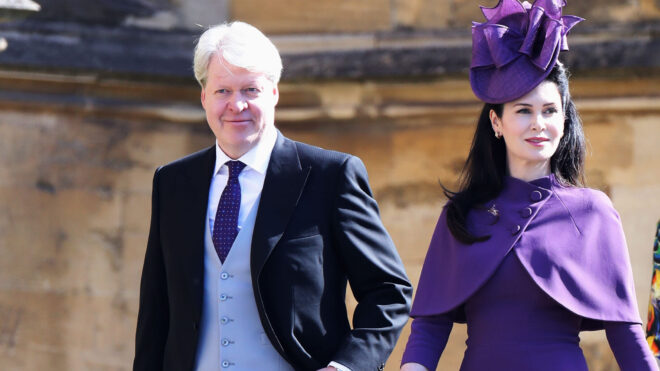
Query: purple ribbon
pixel 513 29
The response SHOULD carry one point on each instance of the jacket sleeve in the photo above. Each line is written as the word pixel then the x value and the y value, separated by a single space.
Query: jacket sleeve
pixel 427 341
pixel 152 323
pixel 374 270
pixel 630 349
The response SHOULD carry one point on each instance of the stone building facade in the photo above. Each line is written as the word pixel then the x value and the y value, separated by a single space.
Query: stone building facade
pixel 94 96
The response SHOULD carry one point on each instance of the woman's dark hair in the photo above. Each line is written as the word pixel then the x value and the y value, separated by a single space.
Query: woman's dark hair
pixel 482 177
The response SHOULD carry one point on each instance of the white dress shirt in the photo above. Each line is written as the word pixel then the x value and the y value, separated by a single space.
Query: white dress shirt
pixel 251 179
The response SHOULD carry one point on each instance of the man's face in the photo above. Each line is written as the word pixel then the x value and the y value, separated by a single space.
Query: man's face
pixel 239 106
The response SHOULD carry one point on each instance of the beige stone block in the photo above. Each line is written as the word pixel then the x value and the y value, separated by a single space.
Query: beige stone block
pixel 33 323
pixel 411 228
pixel 54 153
pixel 74 331
pixel 137 179
pixel 20 149
pixel 650 9
pixel 46 331
pixel 372 144
pixel 629 86
pixel 407 12
pixel 104 262
pixel 325 42
pixel 467 11
pixel 33 358
pixel 109 325
pixel 627 151
pixel 646 153
pixel 606 10
pixel 152 148
pixel 423 13
pixel 294 16
pixel 638 207
pixel 146 150
pixel 431 154
pixel 611 145
pixel 52 238
pixel 203 12
pixel 598 354
pixel 136 211
pixel 438 92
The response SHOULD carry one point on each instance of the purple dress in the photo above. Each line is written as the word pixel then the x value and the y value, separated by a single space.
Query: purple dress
pixel 525 311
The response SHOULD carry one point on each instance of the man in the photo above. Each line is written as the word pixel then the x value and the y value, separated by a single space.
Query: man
pixel 253 240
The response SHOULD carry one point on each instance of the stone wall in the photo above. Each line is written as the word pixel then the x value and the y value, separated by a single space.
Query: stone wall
pixel 86 116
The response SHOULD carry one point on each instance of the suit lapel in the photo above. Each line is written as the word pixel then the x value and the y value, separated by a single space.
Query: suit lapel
pixel 285 180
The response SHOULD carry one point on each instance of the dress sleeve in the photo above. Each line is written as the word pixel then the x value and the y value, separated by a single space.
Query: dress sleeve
pixel 428 338
pixel 629 346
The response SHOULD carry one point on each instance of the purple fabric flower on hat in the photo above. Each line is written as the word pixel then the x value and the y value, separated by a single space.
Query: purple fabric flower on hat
pixel 517 47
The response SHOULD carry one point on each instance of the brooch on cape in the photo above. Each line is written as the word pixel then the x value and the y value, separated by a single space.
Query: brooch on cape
pixel 492 210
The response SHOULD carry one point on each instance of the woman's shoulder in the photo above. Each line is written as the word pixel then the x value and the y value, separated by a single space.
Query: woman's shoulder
pixel 585 199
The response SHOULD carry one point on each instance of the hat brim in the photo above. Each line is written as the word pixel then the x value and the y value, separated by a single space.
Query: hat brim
pixel 510 82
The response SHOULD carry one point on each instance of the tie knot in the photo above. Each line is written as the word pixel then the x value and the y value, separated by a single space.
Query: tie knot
pixel 235 168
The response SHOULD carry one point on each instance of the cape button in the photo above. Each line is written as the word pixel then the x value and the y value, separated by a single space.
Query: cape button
pixel 515 229
pixel 526 212
pixel 536 196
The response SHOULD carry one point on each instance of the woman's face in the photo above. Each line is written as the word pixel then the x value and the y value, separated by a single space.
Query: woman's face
pixel 531 128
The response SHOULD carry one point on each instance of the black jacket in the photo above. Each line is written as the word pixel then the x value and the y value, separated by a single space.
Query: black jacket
pixel 317 227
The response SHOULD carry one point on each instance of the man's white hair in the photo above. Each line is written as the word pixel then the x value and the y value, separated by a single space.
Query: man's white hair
pixel 240 45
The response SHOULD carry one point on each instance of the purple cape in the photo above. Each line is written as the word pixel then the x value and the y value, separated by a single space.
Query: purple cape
pixel 569 240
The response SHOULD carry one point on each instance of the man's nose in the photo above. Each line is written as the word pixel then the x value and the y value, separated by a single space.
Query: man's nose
pixel 237 103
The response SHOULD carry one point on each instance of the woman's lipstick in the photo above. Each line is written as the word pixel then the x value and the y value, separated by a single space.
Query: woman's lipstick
pixel 537 141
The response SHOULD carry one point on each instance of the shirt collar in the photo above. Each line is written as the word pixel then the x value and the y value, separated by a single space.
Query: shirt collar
pixel 256 158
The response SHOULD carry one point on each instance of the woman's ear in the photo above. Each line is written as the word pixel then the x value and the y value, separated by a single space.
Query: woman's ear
pixel 495 123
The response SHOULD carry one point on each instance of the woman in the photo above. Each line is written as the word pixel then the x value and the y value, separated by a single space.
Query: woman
pixel 522 254
pixel 653 319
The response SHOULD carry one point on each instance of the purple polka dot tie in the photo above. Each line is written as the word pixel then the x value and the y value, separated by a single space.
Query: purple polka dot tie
pixel 225 227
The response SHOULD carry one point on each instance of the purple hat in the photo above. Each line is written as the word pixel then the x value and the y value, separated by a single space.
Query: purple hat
pixel 517 47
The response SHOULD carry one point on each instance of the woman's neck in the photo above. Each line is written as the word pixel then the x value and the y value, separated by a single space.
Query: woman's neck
pixel 529 172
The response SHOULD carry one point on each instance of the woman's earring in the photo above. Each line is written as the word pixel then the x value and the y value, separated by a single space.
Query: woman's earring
pixel 498 135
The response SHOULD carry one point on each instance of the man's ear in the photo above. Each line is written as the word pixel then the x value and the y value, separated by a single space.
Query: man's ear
pixel 203 98
pixel 276 94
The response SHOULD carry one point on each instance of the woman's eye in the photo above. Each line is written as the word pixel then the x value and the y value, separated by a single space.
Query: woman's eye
pixel 523 110
pixel 550 111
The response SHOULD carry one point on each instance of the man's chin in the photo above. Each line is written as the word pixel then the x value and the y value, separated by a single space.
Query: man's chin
pixel 238 148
